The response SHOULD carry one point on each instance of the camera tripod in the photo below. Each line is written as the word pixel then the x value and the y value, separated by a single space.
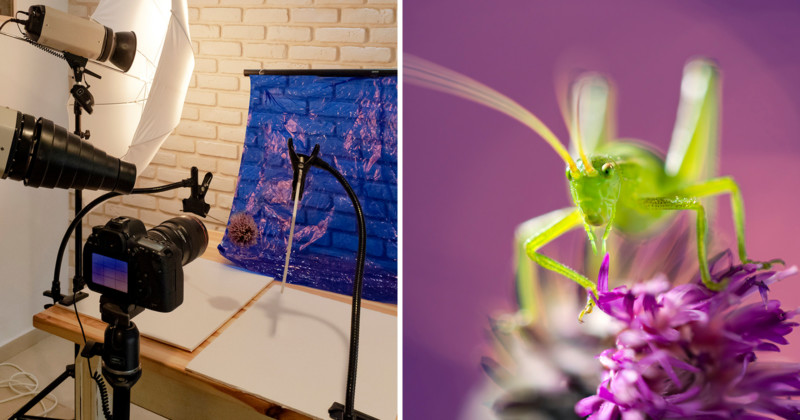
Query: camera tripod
pixel 120 353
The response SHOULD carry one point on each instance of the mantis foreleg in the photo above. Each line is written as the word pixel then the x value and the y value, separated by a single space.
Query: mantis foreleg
pixel 526 277
pixel 547 233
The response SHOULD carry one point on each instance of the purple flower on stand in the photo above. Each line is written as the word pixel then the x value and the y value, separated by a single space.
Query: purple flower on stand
pixel 687 352
pixel 243 230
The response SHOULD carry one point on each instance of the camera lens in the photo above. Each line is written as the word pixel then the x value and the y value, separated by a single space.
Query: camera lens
pixel 187 232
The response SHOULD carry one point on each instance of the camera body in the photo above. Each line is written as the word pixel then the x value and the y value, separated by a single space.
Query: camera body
pixel 127 263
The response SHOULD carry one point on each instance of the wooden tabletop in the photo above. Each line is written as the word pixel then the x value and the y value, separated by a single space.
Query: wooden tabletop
pixel 61 321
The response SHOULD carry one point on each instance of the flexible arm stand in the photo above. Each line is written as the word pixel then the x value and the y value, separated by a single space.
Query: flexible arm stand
pixel 301 164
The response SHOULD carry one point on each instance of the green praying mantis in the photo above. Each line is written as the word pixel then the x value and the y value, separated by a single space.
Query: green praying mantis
pixel 614 184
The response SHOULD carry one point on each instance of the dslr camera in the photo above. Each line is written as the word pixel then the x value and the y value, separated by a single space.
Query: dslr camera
pixel 130 265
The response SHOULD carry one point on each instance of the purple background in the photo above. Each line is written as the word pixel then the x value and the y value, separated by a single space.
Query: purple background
pixel 471 174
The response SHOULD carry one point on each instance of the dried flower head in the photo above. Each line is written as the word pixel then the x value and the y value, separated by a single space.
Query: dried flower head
pixel 242 230
pixel 687 352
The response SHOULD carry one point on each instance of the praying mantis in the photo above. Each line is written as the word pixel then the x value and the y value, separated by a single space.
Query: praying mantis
pixel 614 184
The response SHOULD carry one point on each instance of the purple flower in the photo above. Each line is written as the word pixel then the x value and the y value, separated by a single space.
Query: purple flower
pixel 242 230
pixel 687 352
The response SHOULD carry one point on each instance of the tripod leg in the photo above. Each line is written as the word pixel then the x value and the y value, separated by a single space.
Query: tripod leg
pixel 70 371
pixel 122 403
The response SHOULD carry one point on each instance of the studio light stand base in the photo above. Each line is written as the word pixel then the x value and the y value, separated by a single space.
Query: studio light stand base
pixel 20 414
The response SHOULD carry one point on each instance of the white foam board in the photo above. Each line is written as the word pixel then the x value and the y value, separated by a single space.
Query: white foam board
pixel 292 349
pixel 212 294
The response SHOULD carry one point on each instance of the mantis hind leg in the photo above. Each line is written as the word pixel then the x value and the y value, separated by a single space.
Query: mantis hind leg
pixel 724 185
pixel 539 232
pixel 689 203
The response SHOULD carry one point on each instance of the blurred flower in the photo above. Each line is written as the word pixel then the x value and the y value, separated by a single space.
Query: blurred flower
pixel 686 352
pixel 541 369
pixel 542 373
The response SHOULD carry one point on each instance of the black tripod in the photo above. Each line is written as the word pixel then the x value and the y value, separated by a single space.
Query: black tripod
pixel 120 352
pixel 83 101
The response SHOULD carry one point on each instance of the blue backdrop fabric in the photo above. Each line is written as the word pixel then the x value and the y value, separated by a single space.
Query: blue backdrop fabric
pixel 354 120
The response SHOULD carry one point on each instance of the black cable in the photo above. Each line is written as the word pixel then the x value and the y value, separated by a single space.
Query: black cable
pixel 98 378
pixel 46 49
pixel 56 285
pixel 15 19
pixel 26 38
pixel 9 20
pixel 83 333
pixel 355 316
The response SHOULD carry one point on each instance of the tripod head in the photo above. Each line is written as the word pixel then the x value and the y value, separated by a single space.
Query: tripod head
pixel 121 366
pixel 119 351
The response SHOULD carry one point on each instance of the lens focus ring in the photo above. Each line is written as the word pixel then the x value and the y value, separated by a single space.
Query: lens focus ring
pixel 188 233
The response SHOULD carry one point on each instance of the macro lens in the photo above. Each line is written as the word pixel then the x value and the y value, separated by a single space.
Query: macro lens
pixel 187 232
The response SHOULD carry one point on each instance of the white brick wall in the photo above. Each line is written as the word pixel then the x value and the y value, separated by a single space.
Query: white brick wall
pixel 221 14
pixel 288 33
pixel 264 16
pixel 303 52
pixel 352 35
pixel 228 37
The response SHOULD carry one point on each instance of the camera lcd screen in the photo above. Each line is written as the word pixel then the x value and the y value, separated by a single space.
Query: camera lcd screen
pixel 110 272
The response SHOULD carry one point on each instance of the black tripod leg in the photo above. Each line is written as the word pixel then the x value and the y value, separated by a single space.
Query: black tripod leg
pixel 68 373
pixel 122 403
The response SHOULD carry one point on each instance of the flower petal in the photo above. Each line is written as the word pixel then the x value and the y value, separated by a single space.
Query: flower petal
pixel 602 277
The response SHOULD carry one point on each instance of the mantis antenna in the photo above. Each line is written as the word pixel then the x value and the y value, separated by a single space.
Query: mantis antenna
pixel 425 73
pixel 590 171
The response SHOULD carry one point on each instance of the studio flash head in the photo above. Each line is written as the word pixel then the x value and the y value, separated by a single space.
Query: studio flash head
pixel 43 154
pixel 79 36
pixel 130 265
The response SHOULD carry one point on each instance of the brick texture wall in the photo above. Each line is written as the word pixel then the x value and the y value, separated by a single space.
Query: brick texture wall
pixel 229 36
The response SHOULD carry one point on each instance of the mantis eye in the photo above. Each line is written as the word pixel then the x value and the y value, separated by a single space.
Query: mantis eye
pixel 607 167
pixel 569 175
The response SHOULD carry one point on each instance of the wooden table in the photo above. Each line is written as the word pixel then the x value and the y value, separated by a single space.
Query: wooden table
pixel 166 387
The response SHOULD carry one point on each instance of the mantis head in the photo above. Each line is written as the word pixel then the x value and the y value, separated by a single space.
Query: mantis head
pixel 595 191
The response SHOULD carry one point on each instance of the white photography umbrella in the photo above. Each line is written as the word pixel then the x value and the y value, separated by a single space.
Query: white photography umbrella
pixel 135 111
